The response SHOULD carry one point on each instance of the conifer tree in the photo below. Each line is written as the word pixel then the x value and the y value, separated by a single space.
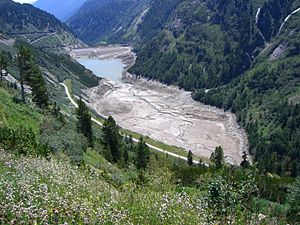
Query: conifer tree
pixel 218 157
pixel 31 75
pixel 127 147
pixel 38 85
pixel 129 143
pixel 190 158
pixel 84 123
pixel 3 65
pixel 126 156
pixel 143 155
pixel 24 61
pixel 245 163
pixel 111 139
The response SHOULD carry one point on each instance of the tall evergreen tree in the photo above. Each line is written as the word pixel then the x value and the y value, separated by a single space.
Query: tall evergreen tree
pixel 126 156
pixel 190 158
pixel 143 155
pixel 245 163
pixel 218 157
pixel 111 139
pixel 84 123
pixel 24 61
pixel 38 85
pixel 31 75
pixel 3 65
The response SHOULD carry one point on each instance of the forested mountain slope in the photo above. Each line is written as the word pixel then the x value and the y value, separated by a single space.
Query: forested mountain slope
pixel 62 10
pixel 108 20
pixel 240 55
pixel 204 44
pixel 34 26
pixel 266 100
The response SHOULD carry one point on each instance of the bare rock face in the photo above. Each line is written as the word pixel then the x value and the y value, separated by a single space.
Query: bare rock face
pixel 279 51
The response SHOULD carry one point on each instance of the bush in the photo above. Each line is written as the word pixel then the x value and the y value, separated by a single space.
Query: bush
pixel 22 141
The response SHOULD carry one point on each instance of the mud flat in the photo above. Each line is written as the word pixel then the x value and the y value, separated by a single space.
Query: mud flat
pixel 165 113
pixel 169 115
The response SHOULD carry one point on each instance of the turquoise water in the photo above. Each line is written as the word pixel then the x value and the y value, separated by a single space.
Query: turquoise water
pixel 109 69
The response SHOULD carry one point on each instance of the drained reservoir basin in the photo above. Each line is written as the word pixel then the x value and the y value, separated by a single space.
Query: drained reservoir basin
pixel 163 113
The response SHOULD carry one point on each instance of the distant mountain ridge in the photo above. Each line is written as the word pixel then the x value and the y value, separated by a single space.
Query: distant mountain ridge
pixel 62 10
pixel 107 20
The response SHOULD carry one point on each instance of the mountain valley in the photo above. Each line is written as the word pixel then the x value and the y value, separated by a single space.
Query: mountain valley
pixel 202 126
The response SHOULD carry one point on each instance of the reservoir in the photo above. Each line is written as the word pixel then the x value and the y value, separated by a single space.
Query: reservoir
pixel 110 69
pixel 164 113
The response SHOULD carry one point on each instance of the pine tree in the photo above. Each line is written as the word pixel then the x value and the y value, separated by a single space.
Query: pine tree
pixel 111 139
pixel 126 156
pixel 143 155
pixel 31 75
pixel 218 157
pixel 245 163
pixel 3 65
pixel 128 147
pixel 84 123
pixel 38 85
pixel 129 143
pixel 190 158
pixel 24 61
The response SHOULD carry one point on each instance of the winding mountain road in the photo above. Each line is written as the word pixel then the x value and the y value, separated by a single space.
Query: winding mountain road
pixel 287 18
pixel 134 139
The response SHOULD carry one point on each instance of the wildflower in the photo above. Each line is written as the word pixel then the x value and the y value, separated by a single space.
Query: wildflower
pixel 261 217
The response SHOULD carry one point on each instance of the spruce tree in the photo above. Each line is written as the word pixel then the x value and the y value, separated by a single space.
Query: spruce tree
pixel 111 139
pixel 32 75
pixel 129 143
pixel 190 158
pixel 38 87
pixel 84 122
pixel 3 65
pixel 126 156
pixel 218 157
pixel 245 163
pixel 143 155
pixel 24 62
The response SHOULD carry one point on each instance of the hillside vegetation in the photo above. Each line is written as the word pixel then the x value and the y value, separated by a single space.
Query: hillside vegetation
pixel 53 180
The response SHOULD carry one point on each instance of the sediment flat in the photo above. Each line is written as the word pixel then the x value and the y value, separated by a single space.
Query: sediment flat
pixel 167 114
